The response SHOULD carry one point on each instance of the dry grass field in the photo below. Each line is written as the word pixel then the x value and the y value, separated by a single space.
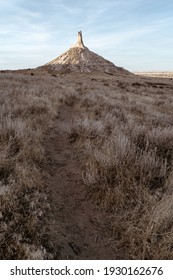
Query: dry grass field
pixel 156 74
pixel 121 128
pixel 27 107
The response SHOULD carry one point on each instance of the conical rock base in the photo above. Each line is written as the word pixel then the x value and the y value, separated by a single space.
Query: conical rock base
pixel 80 59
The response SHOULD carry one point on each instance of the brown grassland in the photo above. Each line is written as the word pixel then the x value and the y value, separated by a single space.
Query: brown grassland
pixel 156 74
pixel 122 127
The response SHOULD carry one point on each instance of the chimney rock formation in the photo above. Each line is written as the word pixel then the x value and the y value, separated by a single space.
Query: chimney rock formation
pixel 80 59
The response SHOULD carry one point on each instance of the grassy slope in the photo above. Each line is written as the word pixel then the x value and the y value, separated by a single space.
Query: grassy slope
pixel 124 127
pixel 27 108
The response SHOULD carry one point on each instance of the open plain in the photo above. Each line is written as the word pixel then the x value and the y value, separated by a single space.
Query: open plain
pixel 168 75
pixel 86 166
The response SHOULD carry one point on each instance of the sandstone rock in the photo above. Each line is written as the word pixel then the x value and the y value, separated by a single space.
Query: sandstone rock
pixel 80 59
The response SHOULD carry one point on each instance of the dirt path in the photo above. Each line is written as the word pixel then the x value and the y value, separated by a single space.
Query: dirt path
pixel 78 228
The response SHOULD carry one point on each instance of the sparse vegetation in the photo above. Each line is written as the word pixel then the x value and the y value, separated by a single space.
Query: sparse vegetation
pixel 27 107
pixel 127 137
pixel 124 127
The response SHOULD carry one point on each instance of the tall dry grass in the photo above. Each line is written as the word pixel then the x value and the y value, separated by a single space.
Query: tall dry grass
pixel 125 129
pixel 28 106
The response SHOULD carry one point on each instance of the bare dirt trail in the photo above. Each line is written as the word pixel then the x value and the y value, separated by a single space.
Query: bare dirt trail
pixel 78 228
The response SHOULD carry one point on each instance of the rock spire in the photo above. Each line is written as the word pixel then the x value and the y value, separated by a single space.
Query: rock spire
pixel 80 39
pixel 79 43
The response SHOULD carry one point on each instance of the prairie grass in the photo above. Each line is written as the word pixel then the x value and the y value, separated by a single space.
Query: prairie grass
pixel 124 128
pixel 28 106
pixel 126 134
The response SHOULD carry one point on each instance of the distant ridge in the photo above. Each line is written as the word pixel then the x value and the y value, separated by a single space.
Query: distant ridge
pixel 80 59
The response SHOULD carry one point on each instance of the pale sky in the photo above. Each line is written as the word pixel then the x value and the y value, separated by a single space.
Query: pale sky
pixel 134 34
